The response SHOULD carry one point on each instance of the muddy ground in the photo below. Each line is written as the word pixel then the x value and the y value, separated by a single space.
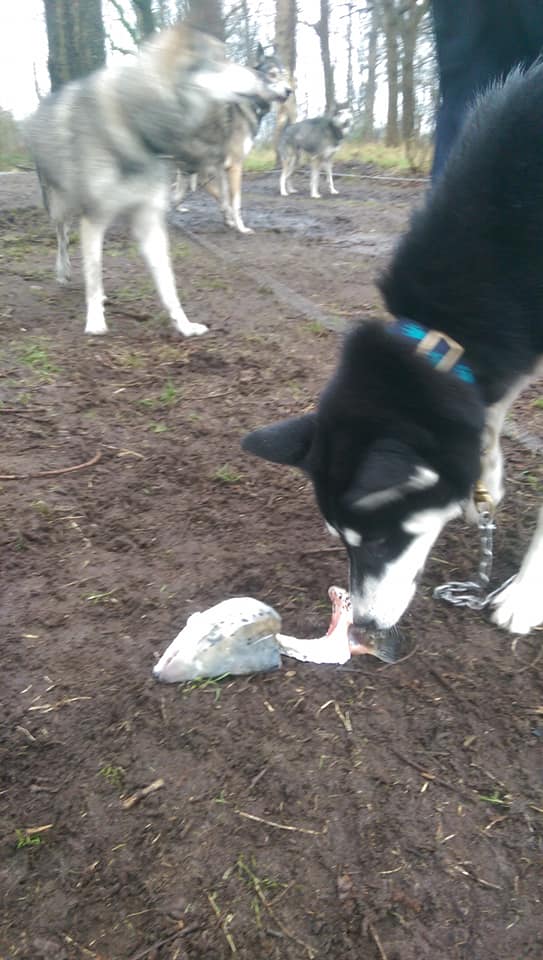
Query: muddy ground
pixel 366 811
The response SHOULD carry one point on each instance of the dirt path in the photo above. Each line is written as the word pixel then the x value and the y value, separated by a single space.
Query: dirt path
pixel 383 813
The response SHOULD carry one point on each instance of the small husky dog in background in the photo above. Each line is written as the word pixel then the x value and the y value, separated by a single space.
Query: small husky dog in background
pixel 236 135
pixel 103 146
pixel 318 138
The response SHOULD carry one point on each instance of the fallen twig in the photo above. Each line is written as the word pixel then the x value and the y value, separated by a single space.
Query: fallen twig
pixel 433 777
pixel 52 473
pixel 171 936
pixel 376 940
pixel 131 801
pixel 280 826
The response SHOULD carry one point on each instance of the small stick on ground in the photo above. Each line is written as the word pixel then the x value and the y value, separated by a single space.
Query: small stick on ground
pixel 52 473
pixel 160 943
pixel 433 777
pixel 141 794
pixel 280 826
pixel 377 941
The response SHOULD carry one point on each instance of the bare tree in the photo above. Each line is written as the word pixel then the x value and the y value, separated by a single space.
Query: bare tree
pixel 206 15
pixel 410 17
pixel 75 37
pixel 285 45
pixel 370 86
pixel 322 29
pixel 390 16
pixel 350 77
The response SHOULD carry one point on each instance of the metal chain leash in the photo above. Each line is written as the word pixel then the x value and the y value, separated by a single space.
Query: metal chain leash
pixel 472 593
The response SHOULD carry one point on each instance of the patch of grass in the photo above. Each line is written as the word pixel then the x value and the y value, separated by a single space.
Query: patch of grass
pixel 211 283
pixel 260 160
pixel 497 797
pixel 15 158
pixel 391 159
pixel 35 355
pixel 113 775
pixel 538 402
pixel 137 290
pixel 158 427
pixel 40 506
pixel 209 684
pixel 26 839
pixel 180 249
pixel 317 328
pixel 127 358
pixel 227 474
pixel 261 887
pixel 169 393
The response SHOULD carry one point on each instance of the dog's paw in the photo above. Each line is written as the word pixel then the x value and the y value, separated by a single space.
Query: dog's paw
pixel 194 330
pixel 243 229
pixel 96 328
pixel 315 196
pixel 334 192
pixel 517 608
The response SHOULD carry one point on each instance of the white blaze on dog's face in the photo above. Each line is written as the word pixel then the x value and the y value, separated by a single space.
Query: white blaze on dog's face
pixel 384 574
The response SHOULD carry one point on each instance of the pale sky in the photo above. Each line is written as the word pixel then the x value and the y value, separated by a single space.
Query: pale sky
pixel 23 49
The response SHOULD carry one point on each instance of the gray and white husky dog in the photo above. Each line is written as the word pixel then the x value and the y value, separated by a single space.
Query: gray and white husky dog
pixel 235 136
pixel 103 146
pixel 318 138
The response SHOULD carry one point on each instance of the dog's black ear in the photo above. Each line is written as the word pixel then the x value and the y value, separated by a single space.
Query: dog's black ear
pixel 287 441
pixel 390 471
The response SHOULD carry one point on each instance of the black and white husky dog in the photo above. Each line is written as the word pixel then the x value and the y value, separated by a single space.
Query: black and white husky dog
pixel 411 419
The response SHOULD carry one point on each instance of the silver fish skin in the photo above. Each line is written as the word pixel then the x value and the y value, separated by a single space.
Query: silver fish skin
pixel 236 636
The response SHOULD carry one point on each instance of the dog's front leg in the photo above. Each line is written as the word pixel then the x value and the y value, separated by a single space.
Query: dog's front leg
pixel 328 168
pixel 315 174
pixel 150 232
pixel 519 607
pixel 92 242
pixel 235 173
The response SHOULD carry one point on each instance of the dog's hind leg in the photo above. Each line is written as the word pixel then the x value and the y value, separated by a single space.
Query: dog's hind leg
pixel 314 179
pixel 519 607
pixel 150 232
pixel 92 242
pixel 328 169
pixel 62 266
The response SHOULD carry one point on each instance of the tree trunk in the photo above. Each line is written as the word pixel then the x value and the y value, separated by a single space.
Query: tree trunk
pixel 207 15
pixel 350 74
pixel 322 28
pixel 409 26
pixel 75 37
pixel 371 81
pixel 390 23
pixel 145 18
pixel 285 46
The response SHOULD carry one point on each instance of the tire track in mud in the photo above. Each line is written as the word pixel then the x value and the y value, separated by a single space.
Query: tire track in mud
pixel 285 294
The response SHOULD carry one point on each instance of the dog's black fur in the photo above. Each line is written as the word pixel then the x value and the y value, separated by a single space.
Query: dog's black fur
pixel 471 265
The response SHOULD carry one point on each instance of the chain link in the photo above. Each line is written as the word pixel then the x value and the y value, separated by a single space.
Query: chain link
pixel 472 593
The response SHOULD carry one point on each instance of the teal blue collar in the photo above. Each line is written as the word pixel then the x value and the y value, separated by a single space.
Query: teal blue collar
pixel 440 350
